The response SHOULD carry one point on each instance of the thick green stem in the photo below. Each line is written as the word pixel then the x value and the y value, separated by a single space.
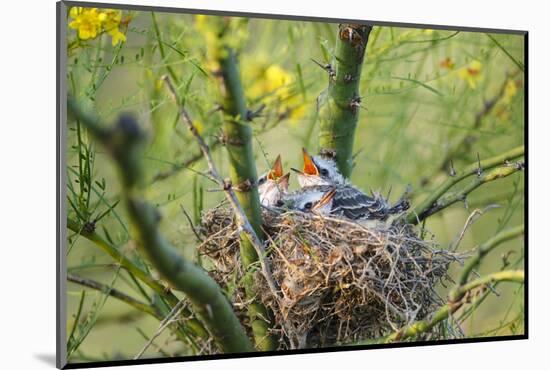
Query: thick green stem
pixel 339 106
pixel 413 217
pixel 237 136
pixel 124 142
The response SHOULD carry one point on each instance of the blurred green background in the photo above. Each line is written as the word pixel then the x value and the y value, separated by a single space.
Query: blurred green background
pixel 424 94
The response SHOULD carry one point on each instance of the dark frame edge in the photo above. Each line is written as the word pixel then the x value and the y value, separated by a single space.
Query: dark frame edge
pixel 288 17
pixel 526 180
pixel 61 118
pixel 164 360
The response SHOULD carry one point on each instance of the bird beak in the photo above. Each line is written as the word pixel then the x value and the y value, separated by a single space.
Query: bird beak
pixel 277 170
pixel 309 167
pixel 325 199
pixel 284 180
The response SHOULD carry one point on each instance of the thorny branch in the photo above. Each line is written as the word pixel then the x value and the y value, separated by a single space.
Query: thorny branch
pixel 338 106
pixel 420 212
pixel 451 198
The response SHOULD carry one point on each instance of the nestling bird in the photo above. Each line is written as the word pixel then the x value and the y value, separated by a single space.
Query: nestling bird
pixel 318 171
pixel 346 200
pixel 273 185
pixel 316 199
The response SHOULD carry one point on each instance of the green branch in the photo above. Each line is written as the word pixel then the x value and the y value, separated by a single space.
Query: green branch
pixel 237 138
pixel 339 104
pixel 487 247
pixel 480 299
pixel 92 284
pixel 458 296
pixel 124 142
pixel 443 312
pixel 413 216
pixel 451 198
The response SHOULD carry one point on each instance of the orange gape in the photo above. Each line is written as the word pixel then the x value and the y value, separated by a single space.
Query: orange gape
pixel 325 199
pixel 277 169
pixel 309 167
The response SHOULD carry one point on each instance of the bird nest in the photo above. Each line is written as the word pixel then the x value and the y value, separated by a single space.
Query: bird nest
pixel 337 281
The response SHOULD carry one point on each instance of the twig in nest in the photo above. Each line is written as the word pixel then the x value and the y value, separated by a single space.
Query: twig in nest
pixel 197 235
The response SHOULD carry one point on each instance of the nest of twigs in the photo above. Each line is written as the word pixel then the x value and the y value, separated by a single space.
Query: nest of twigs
pixel 337 281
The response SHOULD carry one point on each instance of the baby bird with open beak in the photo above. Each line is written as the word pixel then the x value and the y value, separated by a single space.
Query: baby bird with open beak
pixel 318 171
pixel 346 200
pixel 273 185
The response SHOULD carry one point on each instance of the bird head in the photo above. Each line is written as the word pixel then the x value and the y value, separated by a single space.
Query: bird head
pixel 273 184
pixel 316 199
pixel 318 171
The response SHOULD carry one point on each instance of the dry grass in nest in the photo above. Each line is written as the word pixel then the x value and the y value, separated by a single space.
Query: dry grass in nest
pixel 339 281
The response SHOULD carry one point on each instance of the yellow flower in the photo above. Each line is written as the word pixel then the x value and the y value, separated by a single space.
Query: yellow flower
pixel 267 79
pixel 111 22
pixel 273 85
pixel 90 22
pixel 87 21
pixel 276 77
pixel 472 73
pixel 502 110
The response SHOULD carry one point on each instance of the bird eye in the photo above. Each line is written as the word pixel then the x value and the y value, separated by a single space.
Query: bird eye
pixel 323 172
pixel 307 205
pixel 280 203
pixel 261 180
